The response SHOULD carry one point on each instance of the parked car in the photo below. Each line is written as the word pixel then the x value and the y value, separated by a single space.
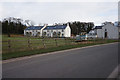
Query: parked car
pixel 81 38
pixel 91 36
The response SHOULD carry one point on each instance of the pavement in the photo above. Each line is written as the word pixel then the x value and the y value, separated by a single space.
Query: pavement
pixel 91 62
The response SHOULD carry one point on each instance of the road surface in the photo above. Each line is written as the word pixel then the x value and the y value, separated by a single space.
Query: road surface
pixel 92 62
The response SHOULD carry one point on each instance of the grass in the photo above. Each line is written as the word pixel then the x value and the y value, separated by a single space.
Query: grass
pixel 19 45
pixel 50 49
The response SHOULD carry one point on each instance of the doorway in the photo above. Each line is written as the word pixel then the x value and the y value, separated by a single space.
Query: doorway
pixel 105 34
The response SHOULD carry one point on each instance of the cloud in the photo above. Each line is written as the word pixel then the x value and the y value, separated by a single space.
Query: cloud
pixel 52 12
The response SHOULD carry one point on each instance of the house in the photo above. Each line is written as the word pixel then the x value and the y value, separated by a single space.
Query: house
pixel 57 31
pixel 98 31
pixel 107 30
pixel 110 31
pixel 49 31
pixel 33 31
pixel 117 24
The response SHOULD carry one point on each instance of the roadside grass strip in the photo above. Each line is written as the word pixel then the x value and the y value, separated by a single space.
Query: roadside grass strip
pixel 10 55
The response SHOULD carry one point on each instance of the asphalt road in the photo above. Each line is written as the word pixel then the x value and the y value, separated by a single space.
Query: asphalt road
pixel 92 62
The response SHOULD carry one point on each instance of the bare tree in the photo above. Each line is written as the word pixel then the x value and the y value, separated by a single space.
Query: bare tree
pixel 29 22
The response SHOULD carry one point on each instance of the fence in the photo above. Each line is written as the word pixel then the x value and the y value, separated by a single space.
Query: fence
pixel 31 44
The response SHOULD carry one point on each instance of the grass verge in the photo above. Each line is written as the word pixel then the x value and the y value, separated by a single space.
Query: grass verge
pixel 52 49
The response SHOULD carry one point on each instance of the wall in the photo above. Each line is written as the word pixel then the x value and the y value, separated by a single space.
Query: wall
pixel 34 32
pixel 51 32
pixel 67 31
pixel 112 31
pixel 99 33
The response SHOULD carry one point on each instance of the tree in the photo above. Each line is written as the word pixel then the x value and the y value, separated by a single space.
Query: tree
pixel 29 23
pixel 80 27
pixel 12 25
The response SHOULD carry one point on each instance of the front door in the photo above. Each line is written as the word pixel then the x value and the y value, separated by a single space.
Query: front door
pixel 105 34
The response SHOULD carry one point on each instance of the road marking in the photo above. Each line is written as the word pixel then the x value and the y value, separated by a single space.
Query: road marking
pixel 37 55
pixel 115 73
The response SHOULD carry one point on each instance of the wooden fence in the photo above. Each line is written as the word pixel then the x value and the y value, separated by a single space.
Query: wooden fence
pixel 30 44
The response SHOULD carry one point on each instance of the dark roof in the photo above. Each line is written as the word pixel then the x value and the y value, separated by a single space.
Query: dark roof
pixel 34 28
pixel 98 27
pixel 56 27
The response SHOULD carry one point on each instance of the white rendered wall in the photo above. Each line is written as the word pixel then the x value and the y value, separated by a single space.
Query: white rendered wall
pixel 24 32
pixel 99 33
pixel 28 32
pixel 112 31
pixel 51 32
pixel 67 31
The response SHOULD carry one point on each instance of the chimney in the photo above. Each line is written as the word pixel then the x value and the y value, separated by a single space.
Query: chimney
pixel 41 31
pixel 67 24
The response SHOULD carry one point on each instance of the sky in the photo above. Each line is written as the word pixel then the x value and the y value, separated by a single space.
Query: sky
pixel 60 11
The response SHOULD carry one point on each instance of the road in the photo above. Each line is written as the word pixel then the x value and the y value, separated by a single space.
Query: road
pixel 92 62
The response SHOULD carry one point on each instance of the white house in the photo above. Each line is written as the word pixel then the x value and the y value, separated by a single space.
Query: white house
pixel 33 31
pixel 110 31
pixel 49 31
pixel 107 30
pixel 98 31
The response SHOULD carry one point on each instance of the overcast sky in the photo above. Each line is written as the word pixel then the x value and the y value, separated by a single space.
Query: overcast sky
pixel 60 11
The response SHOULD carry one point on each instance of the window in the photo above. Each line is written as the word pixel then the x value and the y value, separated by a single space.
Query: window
pixel 44 34
pixel 30 33
pixel 54 34
pixel 58 34
pixel 90 33
pixel 38 33
pixel 27 33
